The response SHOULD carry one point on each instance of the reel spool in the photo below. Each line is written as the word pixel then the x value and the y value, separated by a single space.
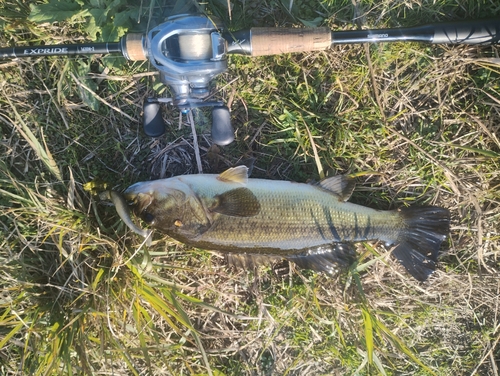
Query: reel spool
pixel 195 47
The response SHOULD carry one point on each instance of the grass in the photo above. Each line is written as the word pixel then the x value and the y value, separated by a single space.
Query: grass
pixel 81 295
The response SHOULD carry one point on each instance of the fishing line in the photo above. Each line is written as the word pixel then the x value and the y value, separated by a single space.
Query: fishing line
pixel 195 142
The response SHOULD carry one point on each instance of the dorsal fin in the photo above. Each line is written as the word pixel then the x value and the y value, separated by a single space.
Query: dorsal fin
pixel 341 185
pixel 249 162
pixel 237 174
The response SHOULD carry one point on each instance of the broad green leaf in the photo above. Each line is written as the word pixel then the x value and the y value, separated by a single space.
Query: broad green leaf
pixel 111 33
pixel 91 28
pixel 115 4
pixel 100 16
pixel 312 23
pixel 82 69
pixel 54 11
pixel 114 62
pixel 125 18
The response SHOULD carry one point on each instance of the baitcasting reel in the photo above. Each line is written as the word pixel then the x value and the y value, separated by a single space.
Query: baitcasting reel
pixel 190 50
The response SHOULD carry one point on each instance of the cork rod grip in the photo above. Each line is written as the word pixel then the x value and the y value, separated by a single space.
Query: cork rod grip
pixel 133 47
pixel 273 41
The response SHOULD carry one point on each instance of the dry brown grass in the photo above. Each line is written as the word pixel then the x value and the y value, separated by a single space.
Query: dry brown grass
pixel 72 273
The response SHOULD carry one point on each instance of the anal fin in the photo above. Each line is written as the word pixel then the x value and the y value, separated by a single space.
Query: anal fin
pixel 249 261
pixel 328 258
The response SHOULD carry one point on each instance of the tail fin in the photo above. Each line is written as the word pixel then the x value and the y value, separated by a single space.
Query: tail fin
pixel 418 244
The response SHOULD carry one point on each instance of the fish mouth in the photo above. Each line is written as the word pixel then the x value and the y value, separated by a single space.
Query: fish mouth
pixel 138 200
pixel 133 190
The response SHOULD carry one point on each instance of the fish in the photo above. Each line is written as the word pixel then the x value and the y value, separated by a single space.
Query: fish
pixel 311 225
pixel 123 211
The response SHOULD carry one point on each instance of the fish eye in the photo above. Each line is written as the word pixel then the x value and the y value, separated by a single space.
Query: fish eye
pixel 147 217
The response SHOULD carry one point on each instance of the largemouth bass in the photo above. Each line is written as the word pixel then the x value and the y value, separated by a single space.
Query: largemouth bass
pixel 309 224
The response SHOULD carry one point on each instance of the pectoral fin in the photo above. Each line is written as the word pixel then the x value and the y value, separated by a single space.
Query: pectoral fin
pixel 239 202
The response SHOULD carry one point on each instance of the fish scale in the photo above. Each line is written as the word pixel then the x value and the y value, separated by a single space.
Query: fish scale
pixel 297 223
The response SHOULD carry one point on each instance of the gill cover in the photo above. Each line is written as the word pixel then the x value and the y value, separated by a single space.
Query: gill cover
pixel 152 199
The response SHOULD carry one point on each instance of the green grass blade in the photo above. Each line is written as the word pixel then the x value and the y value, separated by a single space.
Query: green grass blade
pixel 41 151
pixel 10 334
pixel 368 325
pixel 195 335
pixel 486 153
pixel 396 341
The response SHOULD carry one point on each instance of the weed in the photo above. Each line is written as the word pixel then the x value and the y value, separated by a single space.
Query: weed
pixel 417 124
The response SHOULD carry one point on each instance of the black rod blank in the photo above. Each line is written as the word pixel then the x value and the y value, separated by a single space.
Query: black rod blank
pixel 61 49
pixel 479 32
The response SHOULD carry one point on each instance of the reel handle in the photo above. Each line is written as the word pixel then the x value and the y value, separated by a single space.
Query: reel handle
pixel 222 130
pixel 152 120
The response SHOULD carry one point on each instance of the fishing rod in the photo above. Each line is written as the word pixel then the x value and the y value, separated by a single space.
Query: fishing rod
pixel 191 50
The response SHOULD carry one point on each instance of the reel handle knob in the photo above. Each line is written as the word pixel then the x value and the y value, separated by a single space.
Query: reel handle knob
pixel 222 130
pixel 152 120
